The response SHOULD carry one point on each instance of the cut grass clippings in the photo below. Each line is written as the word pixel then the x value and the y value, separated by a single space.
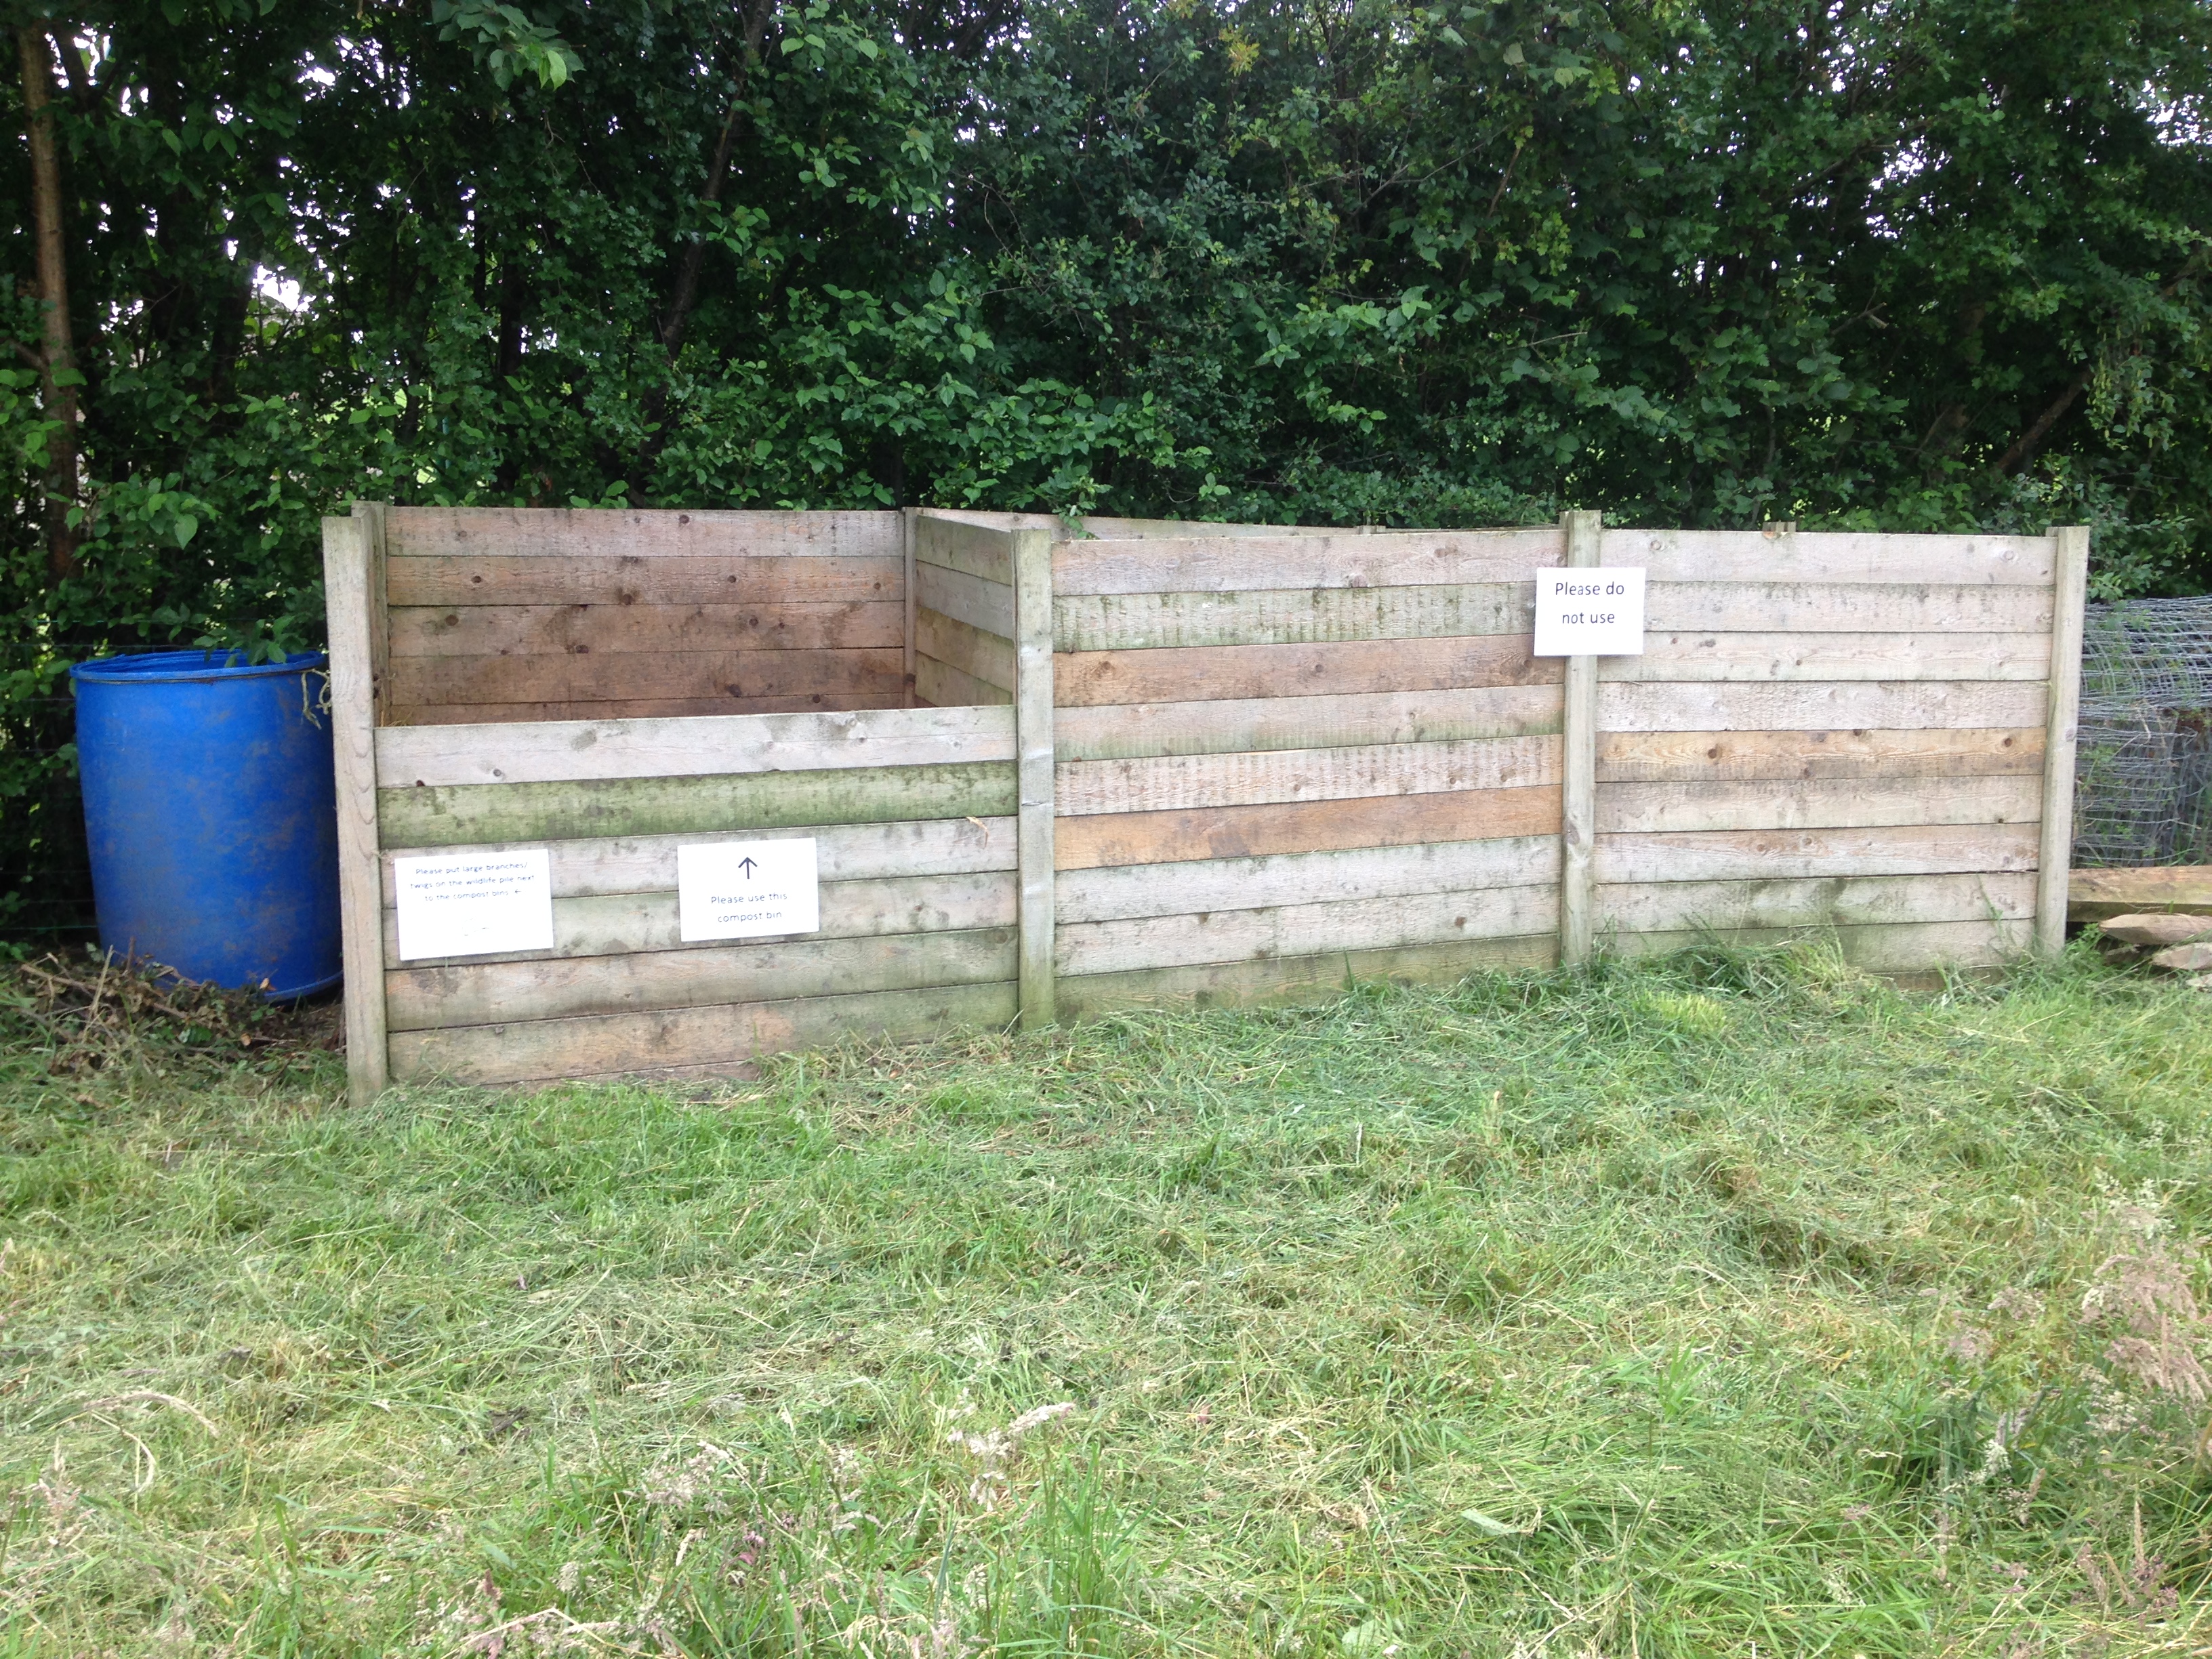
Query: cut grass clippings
pixel 1732 1303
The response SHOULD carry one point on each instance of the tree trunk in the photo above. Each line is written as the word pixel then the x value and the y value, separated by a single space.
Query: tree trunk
pixel 57 377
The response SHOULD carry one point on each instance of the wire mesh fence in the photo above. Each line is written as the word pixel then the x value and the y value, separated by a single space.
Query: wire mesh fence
pixel 2144 772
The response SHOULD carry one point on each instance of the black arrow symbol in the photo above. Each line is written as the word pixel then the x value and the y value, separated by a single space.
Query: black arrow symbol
pixel 745 865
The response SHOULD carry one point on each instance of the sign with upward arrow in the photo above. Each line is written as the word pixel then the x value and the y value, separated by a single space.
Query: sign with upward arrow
pixel 747 889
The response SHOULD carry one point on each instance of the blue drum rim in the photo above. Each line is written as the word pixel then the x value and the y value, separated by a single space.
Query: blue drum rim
pixel 157 667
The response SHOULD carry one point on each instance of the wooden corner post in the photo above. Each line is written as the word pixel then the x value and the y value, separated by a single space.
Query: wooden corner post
pixel 909 531
pixel 1033 705
pixel 1578 782
pixel 353 586
pixel 2055 854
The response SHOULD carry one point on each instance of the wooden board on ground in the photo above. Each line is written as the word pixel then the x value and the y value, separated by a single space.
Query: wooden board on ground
pixel 2168 890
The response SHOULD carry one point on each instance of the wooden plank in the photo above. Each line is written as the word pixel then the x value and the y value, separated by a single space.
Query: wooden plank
pixel 1033 709
pixel 1294 930
pixel 722 1035
pixel 1890 948
pixel 985 604
pixel 349 579
pixel 1820 705
pixel 1751 555
pixel 1230 564
pixel 2100 895
pixel 1578 761
pixel 2070 553
pixel 472 815
pixel 877 672
pixel 1815 901
pixel 509 713
pixel 1241 884
pixel 986 657
pixel 983 551
pixel 1686 756
pixel 1111 530
pixel 1124 621
pixel 616 923
pixel 1781 607
pixel 1753 855
pixel 376 517
pixel 907 602
pixel 492 630
pixel 1278 980
pixel 1128 731
pixel 842 853
pixel 1897 657
pixel 424 999
pixel 608 579
pixel 562 532
pixel 1815 804
pixel 943 686
pixel 557 751
pixel 1212 674
pixel 1087 843
pixel 1173 782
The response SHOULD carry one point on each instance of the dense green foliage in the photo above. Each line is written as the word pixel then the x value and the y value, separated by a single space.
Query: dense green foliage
pixel 1672 1310
pixel 1357 261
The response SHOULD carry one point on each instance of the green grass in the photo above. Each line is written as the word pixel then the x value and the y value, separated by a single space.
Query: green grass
pixel 1734 1303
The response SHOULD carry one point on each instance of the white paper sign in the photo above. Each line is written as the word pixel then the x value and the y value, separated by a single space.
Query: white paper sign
pixel 747 890
pixel 468 904
pixel 1596 612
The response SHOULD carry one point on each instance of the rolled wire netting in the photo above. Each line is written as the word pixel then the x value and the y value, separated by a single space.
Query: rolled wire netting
pixel 2142 791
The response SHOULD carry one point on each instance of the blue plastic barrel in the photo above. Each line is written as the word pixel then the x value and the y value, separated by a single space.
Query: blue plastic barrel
pixel 209 806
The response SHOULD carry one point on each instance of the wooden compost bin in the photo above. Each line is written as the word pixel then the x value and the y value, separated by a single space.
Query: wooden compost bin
pixel 1055 769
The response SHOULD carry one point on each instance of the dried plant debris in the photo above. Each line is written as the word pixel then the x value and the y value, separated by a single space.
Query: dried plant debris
pixel 101 1012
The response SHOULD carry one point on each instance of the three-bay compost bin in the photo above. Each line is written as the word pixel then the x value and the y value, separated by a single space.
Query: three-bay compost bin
pixel 1044 768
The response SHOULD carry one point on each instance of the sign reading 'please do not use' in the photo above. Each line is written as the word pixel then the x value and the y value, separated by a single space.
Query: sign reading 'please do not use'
pixel 1596 612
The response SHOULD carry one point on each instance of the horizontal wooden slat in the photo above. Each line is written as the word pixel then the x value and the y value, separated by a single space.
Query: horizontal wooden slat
pixel 1173 782
pixel 615 923
pixel 1896 657
pixel 562 750
pixel 620 677
pixel 1815 804
pixel 940 685
pixel 1781 607
pixel 419 998
pixel 842 852
pixel 468 815
pixel 1907 947
pixel 1292 929
pixel 1686 756
pixel 1714 555
pixel 1215 673
pixel 1152 889
pixel 1278 980
pixel 598 1045
pixel 1121 622
pixel 979 550
pixel 983 604
pixel 491 631
pixel 1817 706
pixel 981 656
pixel 558 532
pixel 482 713
pixel 507 579
pixel 1118 731
pixel 1756 854
pixel 1110 529
pixel 1230 564
pixel 1087 843
pixel 1814 901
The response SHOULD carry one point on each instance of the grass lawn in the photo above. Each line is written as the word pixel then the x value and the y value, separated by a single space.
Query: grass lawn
pixel 1732 1305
